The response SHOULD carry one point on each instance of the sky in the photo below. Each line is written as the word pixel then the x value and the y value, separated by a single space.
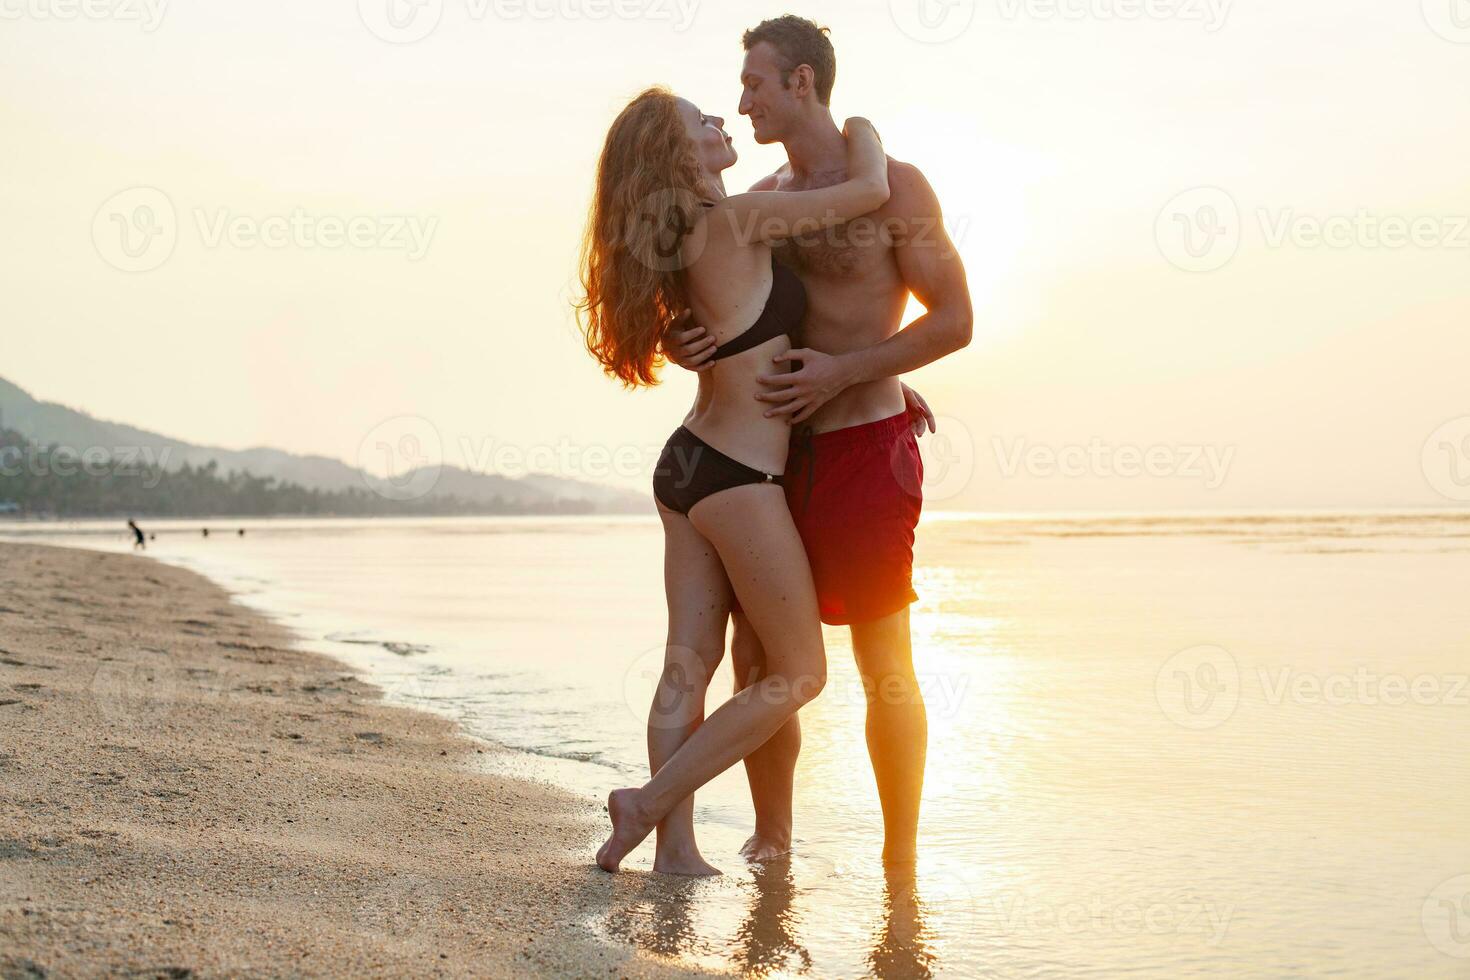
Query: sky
pixel 1219 251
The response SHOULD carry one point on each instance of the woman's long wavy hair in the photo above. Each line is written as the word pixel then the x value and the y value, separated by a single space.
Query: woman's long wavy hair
pixel 645 204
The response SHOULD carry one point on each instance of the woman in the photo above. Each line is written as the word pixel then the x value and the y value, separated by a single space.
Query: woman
pixel 664 235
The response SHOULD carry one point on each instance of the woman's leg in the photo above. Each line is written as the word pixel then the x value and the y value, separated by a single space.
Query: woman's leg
pixel 699 604
pixel 752 530
pixel 770 769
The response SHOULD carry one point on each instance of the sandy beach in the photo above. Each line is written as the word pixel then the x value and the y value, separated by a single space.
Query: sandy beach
pixel 183 794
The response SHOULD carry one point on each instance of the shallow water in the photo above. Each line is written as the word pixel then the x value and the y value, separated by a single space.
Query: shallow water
pixel 1161 746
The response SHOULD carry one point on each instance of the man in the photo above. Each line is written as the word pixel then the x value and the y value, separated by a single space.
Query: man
pixel 854 480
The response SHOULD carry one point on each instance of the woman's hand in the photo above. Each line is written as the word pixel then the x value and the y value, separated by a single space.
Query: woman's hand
pixel 859 126
pixel 689 345
pixel 922 418
pixel 867 164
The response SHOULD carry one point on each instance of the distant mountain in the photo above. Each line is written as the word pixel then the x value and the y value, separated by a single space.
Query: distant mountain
pixel 47 423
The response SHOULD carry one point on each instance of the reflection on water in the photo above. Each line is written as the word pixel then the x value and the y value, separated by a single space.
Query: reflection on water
pixel 766 942
pixel 1086 811
pixel 661 915
pixel 901 947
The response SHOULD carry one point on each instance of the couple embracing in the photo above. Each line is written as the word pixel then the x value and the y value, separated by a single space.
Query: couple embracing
pixel 790 494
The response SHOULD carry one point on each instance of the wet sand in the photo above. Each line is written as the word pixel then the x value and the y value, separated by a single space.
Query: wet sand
pixel 182 793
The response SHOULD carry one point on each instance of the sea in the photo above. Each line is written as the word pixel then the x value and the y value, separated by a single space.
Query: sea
pixel 1160 745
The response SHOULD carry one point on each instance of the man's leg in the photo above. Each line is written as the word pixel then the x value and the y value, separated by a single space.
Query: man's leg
pixel 898 728
pixel 770 769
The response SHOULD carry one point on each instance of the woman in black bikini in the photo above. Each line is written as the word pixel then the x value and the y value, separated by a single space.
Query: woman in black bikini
pixel 663 235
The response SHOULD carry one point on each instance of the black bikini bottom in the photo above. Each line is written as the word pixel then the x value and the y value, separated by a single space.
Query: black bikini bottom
pixel 690 469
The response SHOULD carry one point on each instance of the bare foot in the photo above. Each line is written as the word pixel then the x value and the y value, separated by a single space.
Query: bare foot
pixel 630 827
pixel 761 847
pixel 683 861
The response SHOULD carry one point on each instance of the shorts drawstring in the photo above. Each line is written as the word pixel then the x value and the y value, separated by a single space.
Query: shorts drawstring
pixel 806 447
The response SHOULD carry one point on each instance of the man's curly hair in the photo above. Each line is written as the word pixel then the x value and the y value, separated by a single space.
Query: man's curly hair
pixel 799 42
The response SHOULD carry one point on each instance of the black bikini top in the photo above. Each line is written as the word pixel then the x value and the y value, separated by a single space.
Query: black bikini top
pixel 784 311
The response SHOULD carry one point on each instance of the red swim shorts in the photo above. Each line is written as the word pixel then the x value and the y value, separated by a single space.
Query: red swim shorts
pixel 856 495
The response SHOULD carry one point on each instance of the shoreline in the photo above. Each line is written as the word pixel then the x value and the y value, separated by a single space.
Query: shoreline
pixel 184 790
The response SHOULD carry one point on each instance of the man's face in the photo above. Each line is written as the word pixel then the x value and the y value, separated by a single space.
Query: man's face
pixel 769 104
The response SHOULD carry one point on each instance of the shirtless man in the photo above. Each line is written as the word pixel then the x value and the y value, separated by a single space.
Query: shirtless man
pixel 854 480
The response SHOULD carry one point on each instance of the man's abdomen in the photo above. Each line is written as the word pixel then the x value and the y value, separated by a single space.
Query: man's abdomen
pixel 832 331
pixel 859 405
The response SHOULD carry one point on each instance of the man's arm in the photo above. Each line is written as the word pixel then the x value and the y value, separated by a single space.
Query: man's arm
pixel 932 271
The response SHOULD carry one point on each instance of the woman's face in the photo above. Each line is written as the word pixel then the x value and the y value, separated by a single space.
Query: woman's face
pixel 713 147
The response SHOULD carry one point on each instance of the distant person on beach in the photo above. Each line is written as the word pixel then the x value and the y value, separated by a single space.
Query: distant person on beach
pixel 853 479
pixel 139 542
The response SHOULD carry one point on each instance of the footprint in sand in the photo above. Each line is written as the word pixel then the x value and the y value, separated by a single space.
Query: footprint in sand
pixel 12 662
pixel 11 850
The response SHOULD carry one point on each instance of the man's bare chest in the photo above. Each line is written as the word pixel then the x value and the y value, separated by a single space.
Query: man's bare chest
pixel 854 250
pixel 851 250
